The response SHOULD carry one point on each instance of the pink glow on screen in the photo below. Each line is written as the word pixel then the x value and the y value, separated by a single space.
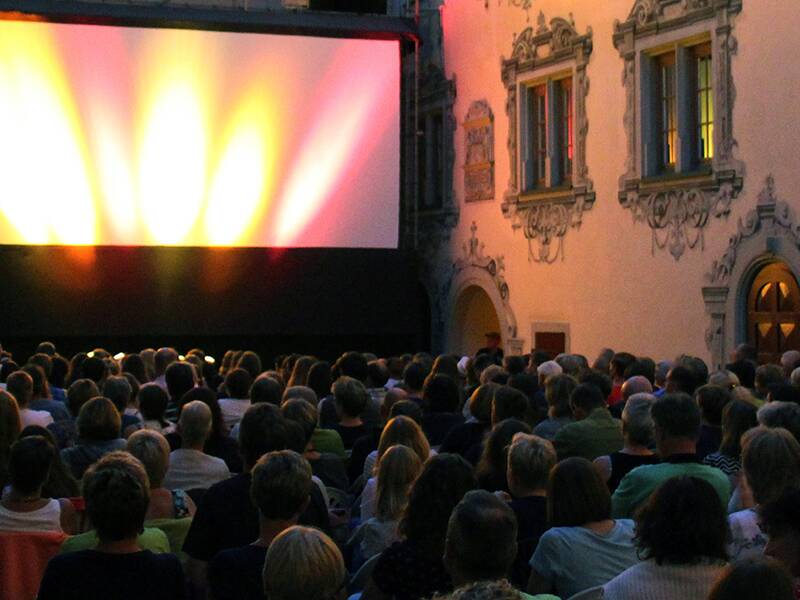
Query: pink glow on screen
pixel 126 136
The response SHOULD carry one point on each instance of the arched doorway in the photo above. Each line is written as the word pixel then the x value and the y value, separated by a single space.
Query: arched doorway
pixel 474 316
pixel 773 312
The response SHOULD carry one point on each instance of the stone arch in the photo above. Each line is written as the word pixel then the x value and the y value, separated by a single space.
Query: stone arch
pixel 766 235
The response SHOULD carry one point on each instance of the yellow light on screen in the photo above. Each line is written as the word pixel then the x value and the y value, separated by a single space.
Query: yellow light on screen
pixel 210 360
pixel 119 356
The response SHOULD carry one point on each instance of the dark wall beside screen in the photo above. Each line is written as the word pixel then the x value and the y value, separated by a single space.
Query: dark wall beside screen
pixel 301 299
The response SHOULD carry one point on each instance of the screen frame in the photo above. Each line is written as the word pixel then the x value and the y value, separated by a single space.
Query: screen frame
pixel 159 15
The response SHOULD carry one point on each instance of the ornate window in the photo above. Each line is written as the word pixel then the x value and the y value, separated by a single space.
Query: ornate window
pixel 549 188
pixel 680 168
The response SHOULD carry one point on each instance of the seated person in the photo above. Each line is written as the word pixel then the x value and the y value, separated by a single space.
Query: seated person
pixel 530 460
pixel 737 418
pixel 20 385
pixel 23 508
pixel 466 439
pixel 712 399
pixel 677 428
pixel 441 397
pixel 585 547
pixel 493 464
pixel 761 577
pixel 481 540
pixel 681 535
pixel 190 468
pixel 152 449
pixel 237 387
pixel 594 433
pixel 780 519
pixel 281 487
pixel 117 495
pixel 350 398
pixel 98 427
pixel 556 392
pixel 304 563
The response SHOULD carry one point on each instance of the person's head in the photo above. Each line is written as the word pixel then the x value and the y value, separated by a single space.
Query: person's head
pixel 514 365
pixel 153 401
pixel 152 450
pixel 46 348
pixel 548 369
pixel 209 398
pixel 530 460
pixel 266 389
pixel 98 421
pixel 10 426
pixel 20 385
pixel 391 397
pixel 133 364
pixel 509 403
pixel 794 377
pixel 745 371
pixel 407 408
pixel 576 494
pixel 180 378
pixel 263 429
pixel 737 418
pixel 79 393
pixel 350 397
pixel 766 375
pixel 29 464
pixel 237 383
pixel 397 469
pixel 118 390
pixel 603 360
pixel 662 370
pixel 304 563
pixel 780 520
pixel 681 379
pixel 642 367
pixel 494 458
pixel 319 378
pixel 304 414
pixel 406 432
pixel 746 352
pixel 378 374
pixel 770 462
pixel 414 377
pixel 712 399
pixel 790 360
pixel 584 399
pixel 755 577
pixel 557 392
pixel 117 493
pixel 682 523
pixel 481 541
pixel 572 364
pixel 480 403
pixel 637 420
pixel 94 368
pixel 163 358
pixel 441 394
pixel 619 364
pixel 300 370
pixel 781 414
pixel 299 391
pixel 353 364
pixel 783 392
pixel 194 424
pixel 281 486
pixel 677 420
pixel 444 480
pixel 599 380
pixel 724 378
pixel 638 384
pixel 250 362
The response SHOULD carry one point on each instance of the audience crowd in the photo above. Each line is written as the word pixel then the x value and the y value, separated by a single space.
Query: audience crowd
pixel 155 475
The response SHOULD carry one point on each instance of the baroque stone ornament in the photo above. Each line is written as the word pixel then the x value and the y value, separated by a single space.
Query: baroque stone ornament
pixel 546 215
pixel 479 152
pixel 678 209
pixel 473 256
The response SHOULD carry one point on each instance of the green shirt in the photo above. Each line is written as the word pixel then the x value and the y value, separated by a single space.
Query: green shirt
pixel 637 485
pixel 538 596
pixel 151 539
pixel 598 434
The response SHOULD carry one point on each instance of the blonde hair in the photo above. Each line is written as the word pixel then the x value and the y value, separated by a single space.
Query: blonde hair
pixel 303 563
pixel 152 450
pixel 403 431
pixel 397 469
pixel 530 459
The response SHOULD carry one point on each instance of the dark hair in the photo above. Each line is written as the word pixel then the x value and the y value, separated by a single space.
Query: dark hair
pixel 350 396
pixel 599 380
pixel 756 577
pixel 93 368
pixel 780 516
pixel 514 364
pixel 620 362
pixel 682 523
pixel 508 403
pixel 98 421
pixel 407 408
pixel 481 536
pixel 304 414
pixel 444 480
pixel 480 403
pixel 133 364
pixel 153 401
pixel 60 483
pixel 319 379
pixel 117 494
pixel 377 374
pixel 266 389
pixel 79 393
pixel 163 358
pixel 44 361
pixel 237 383
pixel 677 416
pixel 587 397
pixel 683 378
pixel 20 385
pixel 557 393
pixel 250 362
pixel 180 377
pixel 37 373
pixel 784 392
pixel 441 394
pixel 59 372
pixel 576 494
pixel 737 418
pixel 712 399
pixel 281 484
pixel 646 367
pixel 414 376
pixel 353 364
pixel 745 370
pixel 46 348
pixel 29 463
pixel 492 466
pixel 263 429
pixel 118 390
pixel 209 398
pixel 768 374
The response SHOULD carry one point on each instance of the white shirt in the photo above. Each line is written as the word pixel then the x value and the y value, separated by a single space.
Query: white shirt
pixel 42 418
pixel 194 470
pixel 45 519
pixel 233 410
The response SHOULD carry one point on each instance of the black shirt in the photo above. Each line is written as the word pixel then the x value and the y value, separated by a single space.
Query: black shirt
pixel 361 449
pixel 463 437
pixel 227 518
pixel 405 573
pixel 236 574
pixel 437 425
pixel 531 516
pixel 89 575
pixel 349 435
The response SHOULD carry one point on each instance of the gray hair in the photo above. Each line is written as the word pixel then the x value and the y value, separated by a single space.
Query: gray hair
pixel 300 391
pixel 152 449
pixel 794 378
pixel 118 390
pixel 638 384
pixel 548 369
pixel 725 378
pixel 195 423
pixel 637 421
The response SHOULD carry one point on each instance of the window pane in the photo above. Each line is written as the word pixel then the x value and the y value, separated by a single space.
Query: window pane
pixel 566 129
pixel 705 103
pixel 539 140
pixel 669 124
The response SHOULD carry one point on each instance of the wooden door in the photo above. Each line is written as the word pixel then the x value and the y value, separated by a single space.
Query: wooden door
pixel 773 313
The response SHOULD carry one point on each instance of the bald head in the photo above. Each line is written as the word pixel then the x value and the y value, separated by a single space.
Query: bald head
pixel 790 360
pixel 195 424
pixel 638 384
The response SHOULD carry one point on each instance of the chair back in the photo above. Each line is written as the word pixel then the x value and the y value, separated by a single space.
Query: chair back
pixel 595 593
pixel 175 530
pixel 23 559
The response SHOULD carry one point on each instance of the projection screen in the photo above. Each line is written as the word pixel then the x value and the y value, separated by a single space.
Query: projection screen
pixel 164 137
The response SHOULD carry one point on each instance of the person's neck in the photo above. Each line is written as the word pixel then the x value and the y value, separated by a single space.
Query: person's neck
pixel 269 530
pixel 15 497
pixel 197 447
pixel 636 450
pixel 671 446
pixel 534 493
pixel 127 546
pixel 346 421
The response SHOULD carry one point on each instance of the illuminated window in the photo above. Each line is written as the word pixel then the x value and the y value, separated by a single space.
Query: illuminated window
pixel 669 122
pixel 705 103
pixel 548 136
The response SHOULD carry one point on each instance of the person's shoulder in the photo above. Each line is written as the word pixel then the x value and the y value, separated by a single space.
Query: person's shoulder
pixel 624 527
